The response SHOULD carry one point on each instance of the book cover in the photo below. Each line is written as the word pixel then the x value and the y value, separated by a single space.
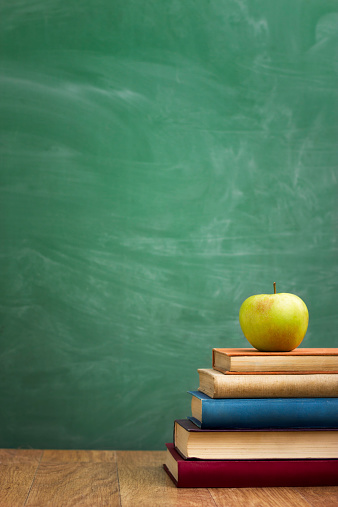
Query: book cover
pixel 249 473
pixel 316 413
pixel 287 443
pixel 217 385
pixel 299 360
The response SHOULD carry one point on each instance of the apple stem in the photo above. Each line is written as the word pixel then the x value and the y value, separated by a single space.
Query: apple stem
pixel 274 287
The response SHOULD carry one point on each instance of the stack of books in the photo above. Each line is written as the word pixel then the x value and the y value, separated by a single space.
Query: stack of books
pixel 260 419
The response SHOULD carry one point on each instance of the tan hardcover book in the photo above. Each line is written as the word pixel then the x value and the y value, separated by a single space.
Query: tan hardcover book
pixel 192 442
pixel 300 360
pixel 217 385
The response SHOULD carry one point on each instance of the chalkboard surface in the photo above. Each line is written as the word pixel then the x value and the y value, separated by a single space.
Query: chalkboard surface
pixel 161 161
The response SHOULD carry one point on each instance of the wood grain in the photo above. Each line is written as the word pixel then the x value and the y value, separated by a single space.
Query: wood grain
pixel 262 497
pixel 126 479
pixel 16 480
pixel 319 497
pixel 144 483
pixel 77 456
pixel 20 455
pixel 67 484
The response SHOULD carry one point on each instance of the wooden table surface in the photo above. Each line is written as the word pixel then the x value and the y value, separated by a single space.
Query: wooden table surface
pixel 125 478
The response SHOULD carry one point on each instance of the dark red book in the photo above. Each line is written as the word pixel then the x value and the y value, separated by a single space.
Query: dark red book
pixel 249 473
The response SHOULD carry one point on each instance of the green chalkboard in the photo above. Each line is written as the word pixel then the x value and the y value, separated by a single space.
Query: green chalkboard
pixel 161 161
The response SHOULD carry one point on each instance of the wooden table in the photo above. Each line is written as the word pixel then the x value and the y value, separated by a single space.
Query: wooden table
pixel 125 478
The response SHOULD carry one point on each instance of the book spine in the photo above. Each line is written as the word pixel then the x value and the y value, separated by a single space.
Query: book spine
pixel 246 474
pixel 269 386
pixel 226 372
pixel 315 413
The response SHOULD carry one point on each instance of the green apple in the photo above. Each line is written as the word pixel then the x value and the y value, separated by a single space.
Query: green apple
pixel 274 322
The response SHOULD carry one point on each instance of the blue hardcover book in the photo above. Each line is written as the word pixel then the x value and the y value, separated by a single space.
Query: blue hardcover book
pixel 243 413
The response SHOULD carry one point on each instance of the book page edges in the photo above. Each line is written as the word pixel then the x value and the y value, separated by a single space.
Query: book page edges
pixel 233 352
pixel 218 385
pixel 282 372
